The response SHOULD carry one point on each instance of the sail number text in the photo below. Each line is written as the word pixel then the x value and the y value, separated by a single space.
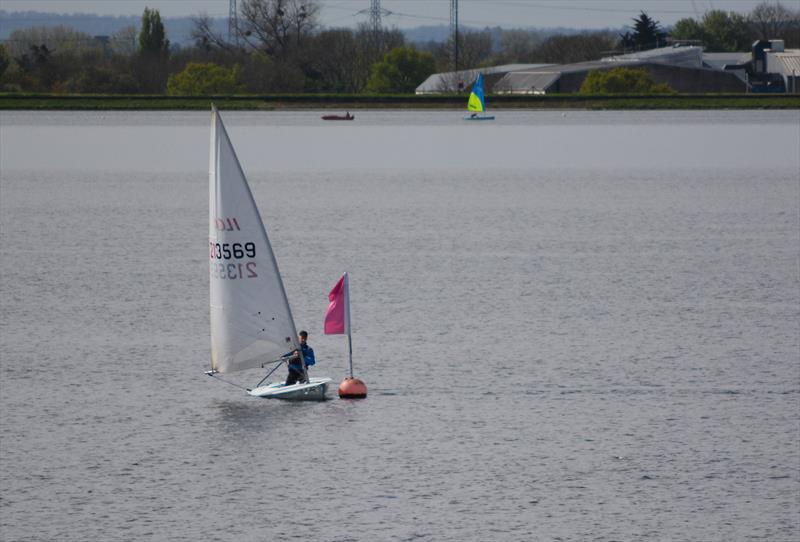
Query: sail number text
pixel 221 253
pixel 232 271
pixel 231 251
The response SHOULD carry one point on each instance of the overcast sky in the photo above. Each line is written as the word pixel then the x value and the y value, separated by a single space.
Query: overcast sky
pixel 409 13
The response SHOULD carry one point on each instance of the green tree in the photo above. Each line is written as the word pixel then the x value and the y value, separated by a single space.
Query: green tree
pixel 205 80
pixel 647 34
pixel 723 31
pixel 150 65
pixel 686 29
pixel 4 60
pixel 401 70
pixel 38 72
pixel 371 47
pixel 105 79
pixel 45 57
pixel 152 38
pixel 262 74
pixel 622 81
pixel 718 31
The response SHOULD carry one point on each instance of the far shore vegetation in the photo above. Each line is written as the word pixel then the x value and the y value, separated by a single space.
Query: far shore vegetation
pixel 283 102
pixel 278 55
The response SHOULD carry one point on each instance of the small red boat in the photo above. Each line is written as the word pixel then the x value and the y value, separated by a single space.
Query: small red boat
pixel 348 116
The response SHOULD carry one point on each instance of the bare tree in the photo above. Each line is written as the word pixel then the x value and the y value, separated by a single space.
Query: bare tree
pixel 124 41
pixel 58 39
pixel 562 49
pixel 518 46
pixel 474 48
pixel 770 21
pixel 205 37
pixel 277 26
pixel 333 61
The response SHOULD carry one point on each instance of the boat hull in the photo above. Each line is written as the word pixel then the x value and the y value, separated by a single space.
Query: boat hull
pixel 313 390
pixel 488 117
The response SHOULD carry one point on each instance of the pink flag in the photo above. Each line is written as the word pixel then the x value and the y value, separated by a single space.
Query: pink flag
pixel 336 315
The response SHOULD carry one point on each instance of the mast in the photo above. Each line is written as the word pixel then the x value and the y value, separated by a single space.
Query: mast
pixel 303 363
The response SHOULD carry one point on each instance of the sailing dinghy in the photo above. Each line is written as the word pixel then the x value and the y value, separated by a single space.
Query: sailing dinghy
pixel 251 321
pixel 476 102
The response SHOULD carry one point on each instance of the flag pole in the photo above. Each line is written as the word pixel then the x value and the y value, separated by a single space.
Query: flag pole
pixel 347 316
pixel 351 387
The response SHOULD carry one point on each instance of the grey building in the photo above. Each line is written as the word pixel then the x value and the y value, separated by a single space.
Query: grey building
pixel 682 68
pixel 686 69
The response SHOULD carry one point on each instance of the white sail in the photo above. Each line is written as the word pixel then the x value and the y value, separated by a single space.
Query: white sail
pixel 251 322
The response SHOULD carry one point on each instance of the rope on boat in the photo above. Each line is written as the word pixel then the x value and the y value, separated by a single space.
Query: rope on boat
pixel 212 374
pixel 278 363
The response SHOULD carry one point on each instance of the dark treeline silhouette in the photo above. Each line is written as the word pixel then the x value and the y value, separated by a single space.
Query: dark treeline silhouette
pixel 278 46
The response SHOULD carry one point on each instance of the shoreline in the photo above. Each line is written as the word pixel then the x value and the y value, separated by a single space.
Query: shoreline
pixel 288 102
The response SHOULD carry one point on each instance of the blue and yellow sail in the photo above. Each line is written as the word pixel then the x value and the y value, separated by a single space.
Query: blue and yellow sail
pixel 475 102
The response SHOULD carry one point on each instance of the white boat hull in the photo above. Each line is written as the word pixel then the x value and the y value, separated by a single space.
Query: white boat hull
pixel 313 390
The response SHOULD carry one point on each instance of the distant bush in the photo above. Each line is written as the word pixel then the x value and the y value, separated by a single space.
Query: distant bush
pixel 199 79
pixel 401 70
pixel 98 79
pixel 622 81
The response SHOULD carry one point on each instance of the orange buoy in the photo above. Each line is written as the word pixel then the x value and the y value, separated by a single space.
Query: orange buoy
pixel 352 388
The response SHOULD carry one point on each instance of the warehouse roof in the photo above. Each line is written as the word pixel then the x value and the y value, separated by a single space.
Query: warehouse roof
pixel 450 81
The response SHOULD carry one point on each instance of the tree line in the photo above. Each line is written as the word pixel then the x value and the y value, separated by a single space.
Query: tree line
pixel 278 46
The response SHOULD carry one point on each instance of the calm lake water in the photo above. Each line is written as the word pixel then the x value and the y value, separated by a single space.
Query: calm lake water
pixel 574 326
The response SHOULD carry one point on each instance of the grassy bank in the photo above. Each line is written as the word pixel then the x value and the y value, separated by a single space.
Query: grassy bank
pixel 404 101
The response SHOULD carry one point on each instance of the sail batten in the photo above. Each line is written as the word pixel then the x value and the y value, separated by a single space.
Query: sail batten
pixel 251 321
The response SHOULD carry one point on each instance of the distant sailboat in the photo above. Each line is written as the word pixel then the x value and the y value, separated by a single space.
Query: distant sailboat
pixel 476 102
pixel 251 321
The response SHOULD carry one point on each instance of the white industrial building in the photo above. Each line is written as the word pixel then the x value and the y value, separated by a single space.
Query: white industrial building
pixel 440 83
pixel 787 64
pixel 684 68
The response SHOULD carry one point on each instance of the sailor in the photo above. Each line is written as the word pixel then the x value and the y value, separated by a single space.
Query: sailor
pixel 295 365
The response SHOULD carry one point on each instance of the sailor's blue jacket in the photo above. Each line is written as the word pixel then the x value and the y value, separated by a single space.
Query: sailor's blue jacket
pixel 308 356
